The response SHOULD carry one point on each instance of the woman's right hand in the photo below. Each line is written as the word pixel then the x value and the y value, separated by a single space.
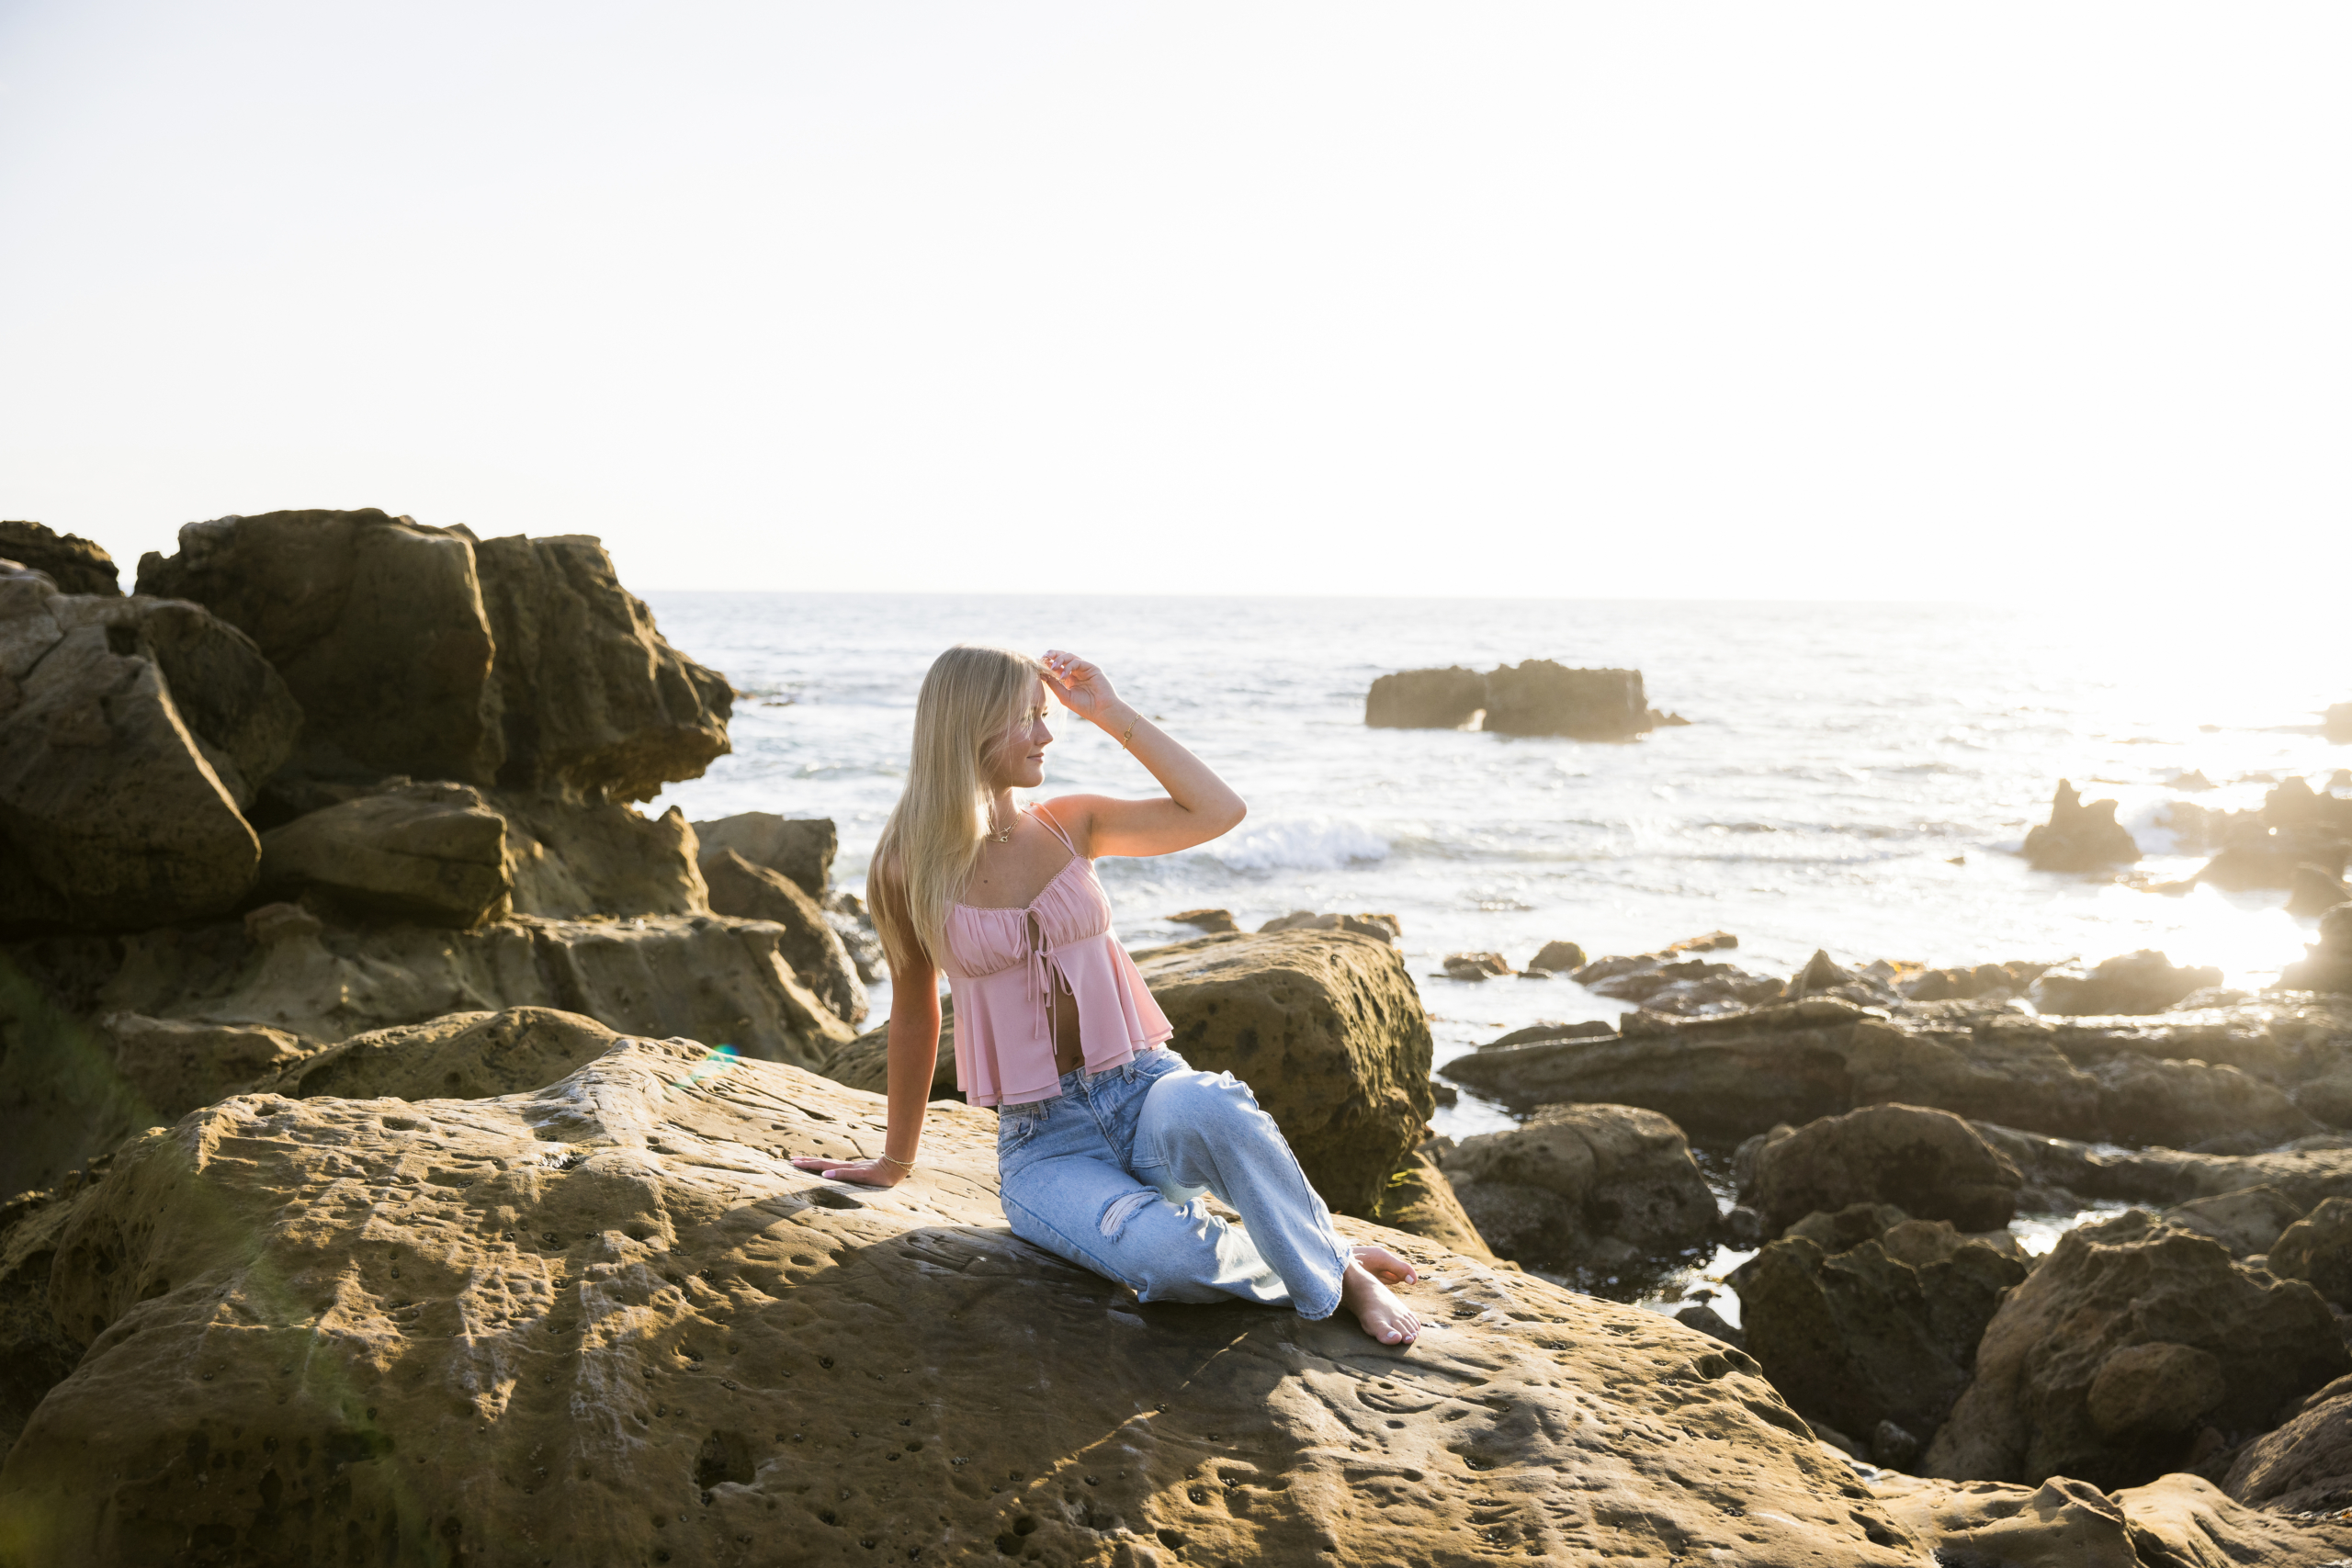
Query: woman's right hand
pixel 864 1172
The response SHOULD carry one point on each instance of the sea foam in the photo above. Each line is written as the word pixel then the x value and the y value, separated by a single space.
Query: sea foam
pixel 1309 843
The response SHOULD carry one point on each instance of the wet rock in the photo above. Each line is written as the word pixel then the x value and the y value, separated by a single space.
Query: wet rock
pixel 798 848
pixel 2318 1249
pixel 2248 1223
pixel 1590 1028
pixel 2145 1101
pixel 2112 1288
pixel 1586 1190
pixel 809 944
pixel 1928 1163
pixel 1967 984
pixel 74 564
pixel 1214 922
pixel 617 1281
pixel 2079 837
pixel 1425 699
pixel 460 1055
pixel 116 810
pixel 1558 957
pixel 1419 1199
pixel 1674 982
pixel 1327 1030
pixel 1476 966
pixel 2305 1466
pixel 2305 1175
pixel 2139 982
pixel 1881 1334
pixel 1381 927
pixel 2071 1524
pixel 1987 1072
pixel 1820 974
pixel 433 853
pixel 1541 697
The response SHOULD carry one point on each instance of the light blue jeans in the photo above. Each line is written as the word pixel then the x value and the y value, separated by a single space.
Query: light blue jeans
pixel 1112 1174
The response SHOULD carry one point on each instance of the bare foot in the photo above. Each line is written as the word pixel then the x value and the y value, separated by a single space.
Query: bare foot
pixel 1382 1316
pixel 1386 1264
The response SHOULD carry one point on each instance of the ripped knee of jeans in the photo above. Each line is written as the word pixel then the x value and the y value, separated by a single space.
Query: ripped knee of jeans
pixel 1120 1210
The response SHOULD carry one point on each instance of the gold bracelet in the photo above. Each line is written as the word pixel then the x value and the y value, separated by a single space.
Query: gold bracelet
pixel 1130 735
pixel 902 1164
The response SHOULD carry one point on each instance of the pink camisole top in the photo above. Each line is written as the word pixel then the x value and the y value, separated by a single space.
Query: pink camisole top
pixel 1003 977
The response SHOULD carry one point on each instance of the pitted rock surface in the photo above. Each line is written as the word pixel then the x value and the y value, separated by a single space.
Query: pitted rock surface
pixel 605 1322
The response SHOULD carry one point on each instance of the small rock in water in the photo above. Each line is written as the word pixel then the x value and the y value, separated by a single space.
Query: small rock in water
pixel 1215 921
pixel 1476 966
pixel 1558 956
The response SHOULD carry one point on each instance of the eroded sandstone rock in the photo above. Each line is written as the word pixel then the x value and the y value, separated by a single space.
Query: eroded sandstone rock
pixel 433 853
pixel 459 1055
pixel 2305 1465
pixel 1931 1164
pixel 1589 1191
pixel 2318 1249
pixel 352 1319
pixel 809 943
pixel 800 848
pixel 74 564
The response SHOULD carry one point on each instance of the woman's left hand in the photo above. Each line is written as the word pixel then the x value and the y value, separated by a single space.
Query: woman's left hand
pixel 1083 687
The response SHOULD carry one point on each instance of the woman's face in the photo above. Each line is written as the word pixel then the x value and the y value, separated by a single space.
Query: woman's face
pixel 1017 759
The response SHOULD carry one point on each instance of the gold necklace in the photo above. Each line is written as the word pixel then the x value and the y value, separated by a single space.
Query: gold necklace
pixel 1005 837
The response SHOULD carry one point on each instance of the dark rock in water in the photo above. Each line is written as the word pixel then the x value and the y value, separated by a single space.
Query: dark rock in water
pixel 1708 1321
pixel 2145 981
pixel 2179 1103
pixel 801 848
pixel 1558 957
pixel 1541 697
pixel 809 943
pixel 1927 1163
pixel 1590 1028
pixel 1884 1332
pixel 1588 1190
pixel 2318 1249
pixel 2326 965
pixel 413 650
pixel 74 564
pixel 131 731
pixel 2096 1366
pixel 1425 699
pixel 1674 982
pixel 2305 1466
pixel 434 852
pixel 1820 973
pixel 1476 966
pixel 2079 837
pixel 2313 892
pixel 1381 927
pixel 1214 922
pixel 1959 984
pixel 2305 1175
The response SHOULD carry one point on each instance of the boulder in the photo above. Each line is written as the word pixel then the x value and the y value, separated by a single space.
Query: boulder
pixel 2311 891
pixel 2305 1466
pixel 1214 922
pixel 1541 697
pixel 571 860
pixel 1673 981
pixel 1420 1199
pixel 798 848
pixel 2139 982
pixel 810 945
pixel 2249 1222
pixel 1425 699
pixel 1820 974
pixel 1385 927
pixel 1590 1029
pixel 2079 837
pixel 36 1352
pixel 1476 966
pixel 76 565
pixel 1719 1080
pixel 2174 1522
pixel 1882 1333
pixel 356 1324
pixel 2326 965
pixel 391 634
pixel 1588 1190
pixel 113 813
pixel 459 1055
pixel 2017 1076
pixel 1327 1031
pixel 1931 1164
pixel 1559 958
pixel 432 852
pixel 2318 1249
pixel 1967 984
pixel 2304 1176
pixel 2144 1100
pixel 2114 1288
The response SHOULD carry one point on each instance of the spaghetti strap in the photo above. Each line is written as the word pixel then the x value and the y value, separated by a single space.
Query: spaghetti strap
pixel 1055 828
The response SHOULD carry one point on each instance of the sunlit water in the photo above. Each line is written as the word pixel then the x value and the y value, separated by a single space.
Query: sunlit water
pixel 1855 777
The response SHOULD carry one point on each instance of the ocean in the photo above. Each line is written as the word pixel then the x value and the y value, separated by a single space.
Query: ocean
pixel 1854 777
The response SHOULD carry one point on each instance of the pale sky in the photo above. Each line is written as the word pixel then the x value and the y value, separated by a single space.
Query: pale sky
pixel 1648 300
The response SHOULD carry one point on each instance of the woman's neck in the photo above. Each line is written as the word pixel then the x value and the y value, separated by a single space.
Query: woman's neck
pixel 1001 811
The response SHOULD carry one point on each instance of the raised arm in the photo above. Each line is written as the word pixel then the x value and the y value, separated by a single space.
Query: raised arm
pixel 1198 806
pixel 913 1045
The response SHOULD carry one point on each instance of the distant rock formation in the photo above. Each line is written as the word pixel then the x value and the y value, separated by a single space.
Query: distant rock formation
pixel 2079 837
pixel 1538 697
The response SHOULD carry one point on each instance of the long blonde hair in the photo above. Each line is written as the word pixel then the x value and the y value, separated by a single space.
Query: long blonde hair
pixel 970 697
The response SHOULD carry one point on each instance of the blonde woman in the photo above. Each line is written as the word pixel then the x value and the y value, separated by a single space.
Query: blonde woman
pixel 1107 1142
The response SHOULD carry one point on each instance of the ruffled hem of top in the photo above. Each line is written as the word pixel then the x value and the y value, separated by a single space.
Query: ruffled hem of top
pixel 1003 1053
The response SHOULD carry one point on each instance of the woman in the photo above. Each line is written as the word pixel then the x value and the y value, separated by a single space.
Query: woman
pixel 1106 1141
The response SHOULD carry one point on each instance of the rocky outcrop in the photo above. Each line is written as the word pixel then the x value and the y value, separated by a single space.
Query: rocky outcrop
pixel 459 1055
pixel 1878 1338
pixel 1675 982
pixel 1213 923
pixel 2179 1103
pixel 2170 1523
pixel 390 635
pixel 2326 965
pixel 2317 1249
pixel 1474 966
pixel 1931 1164
pixel 2129 1343
pixel 1327 1030
pixel 800 849
pixel 2145 981
pixel 132 732
pixel 2305 1465
pixel 2249 1222
pixel 2079 837
pixel 1591 1192
pixel 433 853
pixel 76 565
pixel 713 1358
pixel 809 943
pixel 2077 1170
pixel 1420 1199
pixel 1425 699
pixel 1385 927
pixel 1559 958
